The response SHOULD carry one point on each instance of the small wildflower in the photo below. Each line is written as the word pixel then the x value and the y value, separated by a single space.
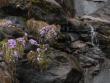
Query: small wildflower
pixel 44 30
pixel 16 54
pixel 25 34
pixel 42 33
pixel 38 58
pixel 39 55
pixel 38 50
pixel 12 43
pixel 33 42
pixel 21 40
pixel 46 46
pixel 18 5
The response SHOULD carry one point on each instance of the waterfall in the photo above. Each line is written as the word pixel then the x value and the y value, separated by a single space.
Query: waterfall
pixel 88 78
pixel 94 40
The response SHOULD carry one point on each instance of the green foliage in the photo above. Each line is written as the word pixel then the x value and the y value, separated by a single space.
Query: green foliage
pixel 7 52
pixel 39 58
pixel 10 52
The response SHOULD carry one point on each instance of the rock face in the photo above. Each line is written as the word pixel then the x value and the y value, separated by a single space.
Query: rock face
pixel 60 71
pixel 5 74
pixel 104 74
pixel 44 11
pixel 78 51
pixel 85 7
pixel 10 28
pixel 101 24
pixel 103 12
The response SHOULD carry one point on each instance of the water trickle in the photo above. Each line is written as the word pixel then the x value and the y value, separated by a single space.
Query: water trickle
pixel 94 40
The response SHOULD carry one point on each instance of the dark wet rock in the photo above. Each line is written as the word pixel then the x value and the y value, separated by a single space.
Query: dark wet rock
pixel 68 7
pixel 54 2
pixel 73 37
pixel 41 10
pixel 91 72
pixel 36 77
pixel 14 11
pixel 76 77
pixel 2 35
pixel 59 71
pixel 98 74
pixel 12 27
pixel 85 7
pixel 78 44
pixel 13 32
pixel 63 43
pixel 29 47
pixel 93 64
pixel 94 58
pixel 90 56
pixel 85 37
pixel 96 51
pixel 17 21
pixel 100 21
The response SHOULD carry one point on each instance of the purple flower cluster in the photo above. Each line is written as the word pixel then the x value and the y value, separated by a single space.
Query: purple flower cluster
pixel 44 30
pixel 33 42
pixel 48 31
pixel 21 40
pixel 12 43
